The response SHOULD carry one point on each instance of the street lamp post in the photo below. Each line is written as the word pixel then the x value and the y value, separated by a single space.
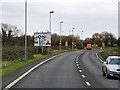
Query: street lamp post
pixel 82 39
pixel 72 38
pixel 25 29
pixel 60 34
pixel 50 27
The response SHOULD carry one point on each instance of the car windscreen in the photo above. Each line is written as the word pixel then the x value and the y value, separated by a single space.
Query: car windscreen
pixel 114 61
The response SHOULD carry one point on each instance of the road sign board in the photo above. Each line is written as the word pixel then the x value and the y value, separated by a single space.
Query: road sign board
pixel 42 39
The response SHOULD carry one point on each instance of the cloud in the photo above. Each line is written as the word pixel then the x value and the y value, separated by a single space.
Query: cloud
pixel 88 15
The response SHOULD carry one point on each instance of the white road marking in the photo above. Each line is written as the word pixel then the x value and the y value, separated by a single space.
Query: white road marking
pixel 99 58
pixel 88 83
pixel 26 73
pixel 78 67
pixel 80 71
pixel 83 76
pixel 77 59
pixel 77 62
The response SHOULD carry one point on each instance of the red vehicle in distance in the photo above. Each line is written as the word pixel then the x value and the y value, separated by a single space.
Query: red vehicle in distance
pixel 89 46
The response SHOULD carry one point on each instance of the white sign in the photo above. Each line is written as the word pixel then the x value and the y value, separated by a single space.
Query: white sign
pixel 42 39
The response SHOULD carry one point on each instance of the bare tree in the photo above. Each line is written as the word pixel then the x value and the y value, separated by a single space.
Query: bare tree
pixel 9 34
pixel 10 30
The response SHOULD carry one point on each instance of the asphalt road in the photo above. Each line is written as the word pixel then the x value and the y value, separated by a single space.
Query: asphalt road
pixel 80 69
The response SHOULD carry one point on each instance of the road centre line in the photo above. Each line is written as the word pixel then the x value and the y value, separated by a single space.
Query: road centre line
pixel 80 71
pixel 83 76
pixel 88 83
pixel 77 64
pixel 76 60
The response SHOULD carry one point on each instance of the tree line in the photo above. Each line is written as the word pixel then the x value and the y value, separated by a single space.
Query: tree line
pixel 13 42
pixel 11 36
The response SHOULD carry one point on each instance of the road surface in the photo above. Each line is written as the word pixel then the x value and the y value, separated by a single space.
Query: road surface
pixel 79 69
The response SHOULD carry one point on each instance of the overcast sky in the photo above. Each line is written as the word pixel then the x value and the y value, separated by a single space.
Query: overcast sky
pixel 91 16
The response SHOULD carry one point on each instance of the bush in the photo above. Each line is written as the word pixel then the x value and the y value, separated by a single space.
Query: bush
pixel 16 53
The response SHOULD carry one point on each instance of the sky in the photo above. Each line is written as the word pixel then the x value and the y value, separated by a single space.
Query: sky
pixel 89 16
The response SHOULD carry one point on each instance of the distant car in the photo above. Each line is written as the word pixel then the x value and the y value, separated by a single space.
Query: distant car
pixel 111 67
pixel 89 46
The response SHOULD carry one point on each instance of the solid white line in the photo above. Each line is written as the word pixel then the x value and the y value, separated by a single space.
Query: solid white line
pixel 80 71
pixel 88 83
pixel 83 76
pixel 99 58
pixel 26 73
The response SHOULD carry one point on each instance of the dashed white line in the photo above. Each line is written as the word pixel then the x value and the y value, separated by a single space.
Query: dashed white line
pixel 80 71
pixel 77 62
pixel 78 67
pixel 76 59
pixel 88 83
pixel 83 76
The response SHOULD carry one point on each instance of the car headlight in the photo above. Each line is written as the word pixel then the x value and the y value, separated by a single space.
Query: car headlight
pixel 112 71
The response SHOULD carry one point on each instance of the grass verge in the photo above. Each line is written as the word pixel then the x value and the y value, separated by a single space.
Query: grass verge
pixel 110 51
pixel 11 66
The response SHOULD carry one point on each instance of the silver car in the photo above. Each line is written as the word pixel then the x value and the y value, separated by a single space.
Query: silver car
pixel 111 67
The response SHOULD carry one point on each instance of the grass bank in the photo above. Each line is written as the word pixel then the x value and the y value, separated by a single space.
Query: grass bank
pixel 110 51
pixel 11 66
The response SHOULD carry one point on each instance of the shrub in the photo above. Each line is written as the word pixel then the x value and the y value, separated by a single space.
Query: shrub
pixel 16 52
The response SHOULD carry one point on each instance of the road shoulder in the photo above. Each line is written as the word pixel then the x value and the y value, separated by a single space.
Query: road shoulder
pixel 8 79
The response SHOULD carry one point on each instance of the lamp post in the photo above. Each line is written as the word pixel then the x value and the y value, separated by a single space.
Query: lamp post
pixel 82 39
pixel 72 38
pixel 50 27
pixel 25 29
pixel 60 34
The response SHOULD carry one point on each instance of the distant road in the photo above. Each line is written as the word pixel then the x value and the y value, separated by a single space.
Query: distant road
pixel 80 69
